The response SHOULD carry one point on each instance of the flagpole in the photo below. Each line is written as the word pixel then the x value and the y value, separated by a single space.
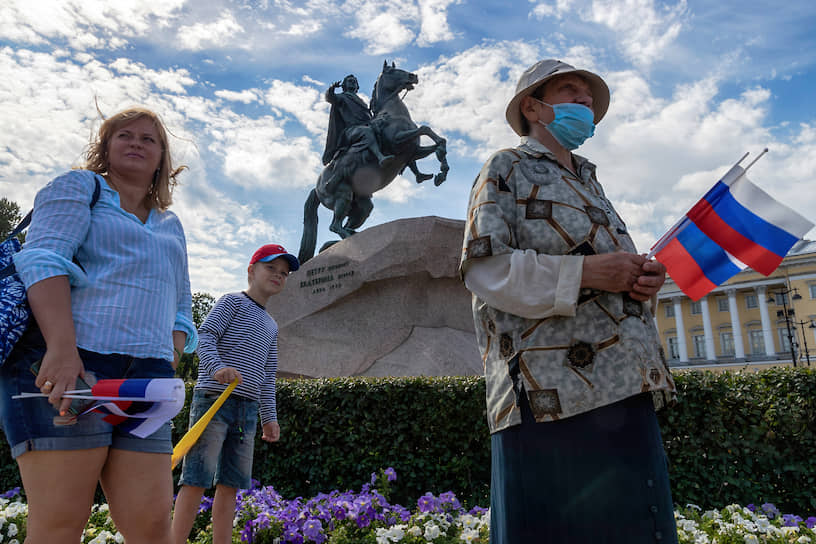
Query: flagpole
pixel 753 161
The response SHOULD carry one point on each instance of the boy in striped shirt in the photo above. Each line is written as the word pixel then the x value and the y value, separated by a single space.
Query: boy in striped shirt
pixel 238 340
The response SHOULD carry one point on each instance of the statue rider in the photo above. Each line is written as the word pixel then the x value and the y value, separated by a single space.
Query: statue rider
pixel 349 121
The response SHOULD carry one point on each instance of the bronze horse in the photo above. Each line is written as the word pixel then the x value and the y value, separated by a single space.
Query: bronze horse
pixel 346 184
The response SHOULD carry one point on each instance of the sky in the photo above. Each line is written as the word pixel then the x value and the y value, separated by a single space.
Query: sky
pixel 239 83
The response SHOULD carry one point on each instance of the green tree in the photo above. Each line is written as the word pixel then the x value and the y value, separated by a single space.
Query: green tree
pixel 10 216
pixel 202 304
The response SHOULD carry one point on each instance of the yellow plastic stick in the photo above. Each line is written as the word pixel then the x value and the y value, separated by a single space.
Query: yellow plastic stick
pixel 195 431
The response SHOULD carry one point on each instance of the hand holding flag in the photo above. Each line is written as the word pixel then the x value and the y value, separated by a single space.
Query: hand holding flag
pixel 735 224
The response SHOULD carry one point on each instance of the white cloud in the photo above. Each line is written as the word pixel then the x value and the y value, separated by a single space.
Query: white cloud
pixel 435 27
pixel 257 153
pixel 644 30
pixel 199 36
pixel 246 96
pixel 557 9
pixel 467 93
pixel 84 24
pixel 384 26
pixel 389 25
pixel 304 103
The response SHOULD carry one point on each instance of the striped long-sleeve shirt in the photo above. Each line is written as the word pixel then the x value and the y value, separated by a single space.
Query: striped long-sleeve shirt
pixel 239 333
pixel 134 290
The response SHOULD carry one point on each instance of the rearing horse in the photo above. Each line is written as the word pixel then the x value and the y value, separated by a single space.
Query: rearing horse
pixel 346 184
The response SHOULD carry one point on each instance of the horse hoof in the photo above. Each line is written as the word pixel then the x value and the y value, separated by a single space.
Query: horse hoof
pixel 423 177
pixel 439 180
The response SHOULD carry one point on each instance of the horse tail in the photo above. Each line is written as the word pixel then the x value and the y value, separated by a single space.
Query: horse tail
pixel 309 239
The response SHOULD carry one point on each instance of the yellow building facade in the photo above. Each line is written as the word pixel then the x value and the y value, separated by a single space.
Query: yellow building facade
pixel 751 318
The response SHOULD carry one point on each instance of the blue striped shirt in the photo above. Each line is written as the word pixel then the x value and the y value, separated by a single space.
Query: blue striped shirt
pixel 239 333
pixel 135 289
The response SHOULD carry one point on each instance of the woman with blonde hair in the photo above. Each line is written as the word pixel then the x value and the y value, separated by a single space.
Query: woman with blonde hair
pixel 109 291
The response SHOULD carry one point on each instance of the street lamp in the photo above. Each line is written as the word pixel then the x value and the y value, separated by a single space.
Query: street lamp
pixel 804 336
pixel 787 314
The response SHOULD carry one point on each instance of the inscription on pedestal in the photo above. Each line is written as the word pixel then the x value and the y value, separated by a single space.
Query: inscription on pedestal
pixel 322 279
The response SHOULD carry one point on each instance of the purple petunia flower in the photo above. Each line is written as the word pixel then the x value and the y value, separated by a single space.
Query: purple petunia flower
pixel 449 497
pixel 313 530
pixel 206 504
pixel 11 493
pixel 790 520
pixel 373 478
pixel 810 522
pixel 770 510
pixel 291 534
pixel 751 507
pixel 427 503
pixel 363 521
pixel 391 474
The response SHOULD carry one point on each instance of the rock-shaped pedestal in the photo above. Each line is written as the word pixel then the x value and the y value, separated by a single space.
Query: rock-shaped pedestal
pixel 387 301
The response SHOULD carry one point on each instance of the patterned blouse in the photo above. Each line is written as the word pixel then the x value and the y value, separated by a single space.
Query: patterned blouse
pixel 598 350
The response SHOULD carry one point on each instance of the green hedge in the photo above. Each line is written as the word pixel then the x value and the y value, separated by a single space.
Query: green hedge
pixel 744 437
pixel 732 437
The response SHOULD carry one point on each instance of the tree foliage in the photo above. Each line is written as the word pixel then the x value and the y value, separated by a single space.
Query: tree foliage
pixel 202 304
pixel 10 216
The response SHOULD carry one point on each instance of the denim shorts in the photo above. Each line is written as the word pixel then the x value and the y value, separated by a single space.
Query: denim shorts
pixel 223 454
pixel 29 423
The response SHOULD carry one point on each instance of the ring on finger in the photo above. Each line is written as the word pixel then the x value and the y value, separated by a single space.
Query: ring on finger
pixel 48 384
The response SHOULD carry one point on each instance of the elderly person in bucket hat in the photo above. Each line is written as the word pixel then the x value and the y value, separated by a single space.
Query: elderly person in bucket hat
pixel 573 365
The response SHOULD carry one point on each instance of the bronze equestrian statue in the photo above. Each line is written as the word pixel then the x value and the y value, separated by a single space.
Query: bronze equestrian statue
pixel 366 148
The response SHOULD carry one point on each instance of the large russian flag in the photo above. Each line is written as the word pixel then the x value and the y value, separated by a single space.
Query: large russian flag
pixel 139 406
pixel 735 224
pixel 747 222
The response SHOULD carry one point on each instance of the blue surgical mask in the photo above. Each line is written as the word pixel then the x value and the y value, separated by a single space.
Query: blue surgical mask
pixel 572 125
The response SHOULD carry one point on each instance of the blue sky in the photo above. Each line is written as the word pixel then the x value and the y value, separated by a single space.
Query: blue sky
pixel 240 85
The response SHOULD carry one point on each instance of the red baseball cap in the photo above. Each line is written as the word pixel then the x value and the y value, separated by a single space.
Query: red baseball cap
pixel 270 252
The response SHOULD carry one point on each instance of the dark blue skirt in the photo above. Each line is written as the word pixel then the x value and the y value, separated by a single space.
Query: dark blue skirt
pixel 598 477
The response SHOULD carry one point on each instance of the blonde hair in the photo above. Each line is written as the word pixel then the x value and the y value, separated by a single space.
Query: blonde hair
pixel 96 158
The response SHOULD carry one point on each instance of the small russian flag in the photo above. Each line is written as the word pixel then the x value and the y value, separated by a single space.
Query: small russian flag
pixel 735 224
pixel 138 405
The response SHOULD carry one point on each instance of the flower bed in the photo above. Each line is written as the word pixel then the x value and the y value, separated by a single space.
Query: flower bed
pixel 367 517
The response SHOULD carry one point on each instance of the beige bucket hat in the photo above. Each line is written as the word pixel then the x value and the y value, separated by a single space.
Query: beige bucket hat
pixel 543 71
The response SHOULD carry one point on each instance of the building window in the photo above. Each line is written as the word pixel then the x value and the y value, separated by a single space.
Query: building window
pixel 699 346
pixel 696 308
pixel 750 301
pixel 669 310
pixel 727 343
pixel 780 297
pixel 757 341
pixel 784 339
pixel 722 304
pixel 812 289
pixel 674 349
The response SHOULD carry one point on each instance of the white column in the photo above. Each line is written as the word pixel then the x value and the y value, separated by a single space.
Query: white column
pixel 767 333
pixel 709 335
pixel 681 330
pixel 736 328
